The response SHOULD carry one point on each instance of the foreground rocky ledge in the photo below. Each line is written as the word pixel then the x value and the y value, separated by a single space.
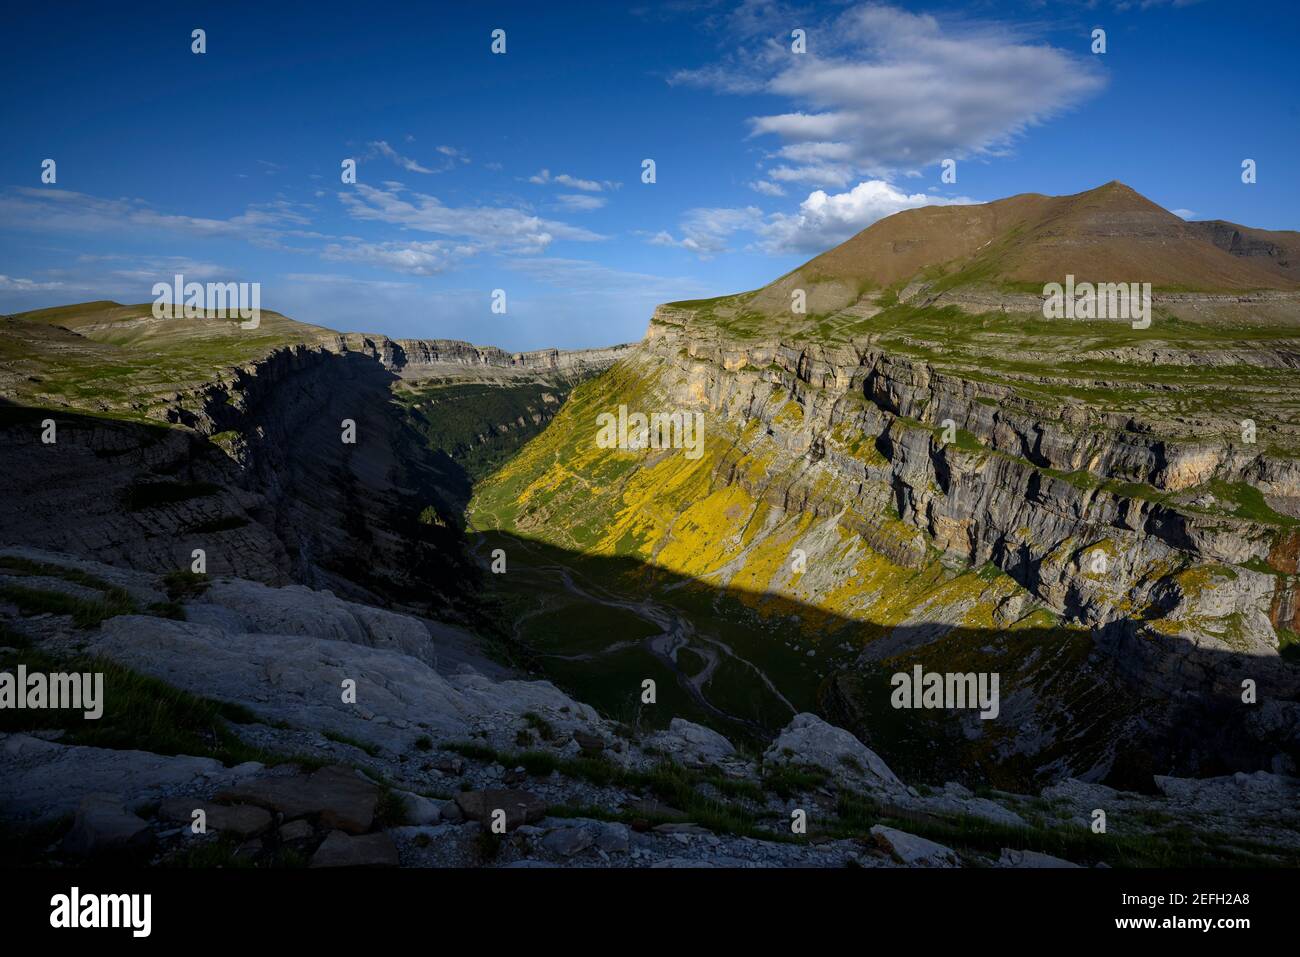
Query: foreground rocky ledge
pixel 447 760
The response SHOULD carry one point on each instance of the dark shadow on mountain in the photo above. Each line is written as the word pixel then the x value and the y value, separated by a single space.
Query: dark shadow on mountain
pixel 261 480
pixel 263 483
pixel 1119 704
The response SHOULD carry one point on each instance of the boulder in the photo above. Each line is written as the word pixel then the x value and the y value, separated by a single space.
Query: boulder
pixel 1014 858
pixel 44 780
pixel 296 831
pixel 103 826
pixel 567 841
pixel 808 740
pixel 343 850
pixel 521 807
pixel 913 851
pixel 337 795
pixel 692 744
pixel 420 810
pixel 241 820
pixel 613 838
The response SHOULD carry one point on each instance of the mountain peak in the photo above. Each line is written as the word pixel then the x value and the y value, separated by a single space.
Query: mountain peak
pixel 1108 233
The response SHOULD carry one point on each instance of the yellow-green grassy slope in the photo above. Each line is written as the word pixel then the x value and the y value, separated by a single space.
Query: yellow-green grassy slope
pixel 711 539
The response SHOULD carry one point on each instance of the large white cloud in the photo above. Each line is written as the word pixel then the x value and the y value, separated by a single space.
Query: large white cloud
pixel 823 220
pixel 881 90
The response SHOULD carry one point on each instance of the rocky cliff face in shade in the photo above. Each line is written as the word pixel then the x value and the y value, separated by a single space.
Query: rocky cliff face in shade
pixel 248 463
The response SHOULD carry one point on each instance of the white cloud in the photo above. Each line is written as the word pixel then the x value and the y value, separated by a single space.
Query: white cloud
pixel 826 220
pixel 65 210
pixel 543 177
pixel 153 269
pixel 766 188
pixel 823 220
pixel 882 90
pixel 15 284
pixel 1183 213
pixel 449 157
pixel 416 258
pixel 494 227
pixel 580 202
pixel 706 231
pixel 381 148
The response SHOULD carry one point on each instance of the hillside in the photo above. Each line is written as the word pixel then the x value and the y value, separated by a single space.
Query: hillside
pixel 997 257
pixel 935 473
pixel 183 434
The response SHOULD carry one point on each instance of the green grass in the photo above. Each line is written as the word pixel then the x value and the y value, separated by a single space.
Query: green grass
pixel 678 787
pixel 390 811
pixel 139 713
pixel 340 738
pixel 183 584
pixel 1176 846
pixel 222 853
pixel 1288 645
pixel 1246 501
pixel 85 612
pixel 787 780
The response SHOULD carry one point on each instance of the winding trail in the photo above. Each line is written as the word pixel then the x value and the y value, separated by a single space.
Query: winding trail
pixel 676 632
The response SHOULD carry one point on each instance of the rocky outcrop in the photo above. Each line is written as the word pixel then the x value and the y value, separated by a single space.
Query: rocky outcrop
pixel 432 737
pixel 1040 491
pixel 807 739
pixel 417 358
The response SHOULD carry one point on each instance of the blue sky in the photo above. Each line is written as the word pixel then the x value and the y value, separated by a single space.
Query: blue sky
pixel 522 171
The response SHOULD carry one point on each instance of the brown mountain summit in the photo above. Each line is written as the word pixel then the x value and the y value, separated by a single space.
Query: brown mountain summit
pixel 1108 234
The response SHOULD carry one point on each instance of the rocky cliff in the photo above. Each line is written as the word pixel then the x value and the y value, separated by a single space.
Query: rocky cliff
pixel 1101 513
pixel 292 460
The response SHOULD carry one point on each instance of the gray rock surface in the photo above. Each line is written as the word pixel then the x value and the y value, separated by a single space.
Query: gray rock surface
pixel 103 827
pixel 568 841
pixel 520 807
pixel 912 850
pixel 241 820
pixel 337 796
pixel 807 739
pixel 692 744
pixel 1014 858
pixel 344 850
pixel 44 779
